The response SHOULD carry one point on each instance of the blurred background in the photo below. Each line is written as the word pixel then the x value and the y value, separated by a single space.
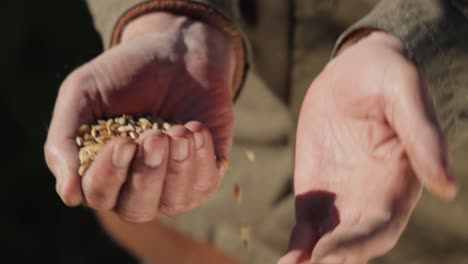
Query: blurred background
pixel 43 41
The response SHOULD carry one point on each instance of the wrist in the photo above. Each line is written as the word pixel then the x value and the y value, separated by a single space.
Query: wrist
pixel 373 36
pixel 155 22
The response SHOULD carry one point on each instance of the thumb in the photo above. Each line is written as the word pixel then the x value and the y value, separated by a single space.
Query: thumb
pixel 410 111
pixel 316 215
pixel 301 244
pixel 62 160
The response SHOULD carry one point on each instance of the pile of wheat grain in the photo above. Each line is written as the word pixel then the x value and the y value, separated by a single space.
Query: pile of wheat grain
pixel 92 138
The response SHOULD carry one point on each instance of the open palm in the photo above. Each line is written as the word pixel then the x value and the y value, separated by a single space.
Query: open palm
pixel 367 137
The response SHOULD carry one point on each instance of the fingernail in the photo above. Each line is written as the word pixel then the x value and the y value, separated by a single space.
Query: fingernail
pixel 179 149
pixel 155 150
pixel 123 154
pixel 199 140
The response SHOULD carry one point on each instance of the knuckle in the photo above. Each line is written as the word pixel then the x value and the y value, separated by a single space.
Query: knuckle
pixel 146 179
pixel 143 178
pixel 81 77
pixel 50 152
pixel 171 209
pixel 110 176
pixel 105 175
pixel 47 148
pixel 98 199
pixel 134 216
pixel 205 186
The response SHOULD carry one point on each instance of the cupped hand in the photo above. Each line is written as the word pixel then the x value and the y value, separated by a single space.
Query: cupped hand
pixel 367 138
pixel 166 66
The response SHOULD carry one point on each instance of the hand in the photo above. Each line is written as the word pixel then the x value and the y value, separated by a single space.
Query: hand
pixel 367 138
pixel 166 66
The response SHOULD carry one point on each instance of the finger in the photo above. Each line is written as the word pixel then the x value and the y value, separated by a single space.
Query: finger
pixel 411 112
pixel 104 179
pixel 358 243
pixel 316 214
pixel 302 242
pixel 373 233
pixel 140 196
pixel 180 172
pixel 207 178
pixel 74 106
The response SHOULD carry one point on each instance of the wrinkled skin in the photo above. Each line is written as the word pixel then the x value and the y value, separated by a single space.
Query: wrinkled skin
pixel 367 140
pixel 167 66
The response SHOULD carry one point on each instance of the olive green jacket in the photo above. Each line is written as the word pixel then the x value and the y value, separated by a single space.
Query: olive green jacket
pixel 289 44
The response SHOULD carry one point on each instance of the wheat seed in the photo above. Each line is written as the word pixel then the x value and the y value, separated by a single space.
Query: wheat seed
pixel 121 121
pixel 82 170
pixel 102 123
pixel 166 126
pixel 84 129
pixel 88 143
pixel 88 137
pixel 79 141
pixel 143 121
pixel 133 134
pixel 127 128
pixel 94 132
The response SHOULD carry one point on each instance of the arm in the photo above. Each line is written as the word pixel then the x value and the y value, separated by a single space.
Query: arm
pixel 156 242
pixel 425 27
pixel 163 64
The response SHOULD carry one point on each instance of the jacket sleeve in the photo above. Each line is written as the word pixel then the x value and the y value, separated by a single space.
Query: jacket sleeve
pixel 435 34
pixel 111 17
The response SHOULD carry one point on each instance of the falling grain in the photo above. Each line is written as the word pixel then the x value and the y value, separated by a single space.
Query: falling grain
pixel 249 154
pixel 238 194
pixel 223 166
pixel 245 235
